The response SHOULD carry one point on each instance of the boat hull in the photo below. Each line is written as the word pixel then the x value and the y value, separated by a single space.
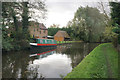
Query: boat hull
pixel 39 49
pixel 42 45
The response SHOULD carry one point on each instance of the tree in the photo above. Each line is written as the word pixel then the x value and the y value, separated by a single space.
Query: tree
pixel 115 16
pixel 15 13
pixel 53 29
pixel 25 20
pixel 35 8
pixel 115 12
pixel 9 12
pixel 105 9
pixel 88 24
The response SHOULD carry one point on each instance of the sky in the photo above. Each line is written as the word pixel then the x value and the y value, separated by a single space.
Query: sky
pixel 62 11
pixel 59 12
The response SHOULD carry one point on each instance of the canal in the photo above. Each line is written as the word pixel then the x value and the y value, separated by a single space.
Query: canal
pixel 54 62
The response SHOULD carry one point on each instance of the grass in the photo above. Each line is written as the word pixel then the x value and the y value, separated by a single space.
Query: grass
pixel 102 62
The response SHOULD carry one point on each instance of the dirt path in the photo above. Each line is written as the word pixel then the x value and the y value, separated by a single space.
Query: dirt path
pixel 110 73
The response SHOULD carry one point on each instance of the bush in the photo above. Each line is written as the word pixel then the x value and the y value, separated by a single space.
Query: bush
pixel 109 35
pixel 119 38
pixel 115 41
pixel 21 44
pixel 6 45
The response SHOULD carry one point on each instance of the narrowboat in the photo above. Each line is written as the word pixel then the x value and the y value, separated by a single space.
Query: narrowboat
pixel 44 43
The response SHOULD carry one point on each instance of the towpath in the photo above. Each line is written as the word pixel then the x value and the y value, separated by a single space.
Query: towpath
pixel 109 70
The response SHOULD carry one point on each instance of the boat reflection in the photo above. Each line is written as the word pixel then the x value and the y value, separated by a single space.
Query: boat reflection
pixel 44 53
pixel 36 49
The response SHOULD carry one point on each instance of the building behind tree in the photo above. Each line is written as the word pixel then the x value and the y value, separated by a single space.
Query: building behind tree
pixel 38 30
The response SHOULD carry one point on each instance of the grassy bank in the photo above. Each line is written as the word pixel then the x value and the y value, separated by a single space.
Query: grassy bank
pixel 62 42
pixel 102 62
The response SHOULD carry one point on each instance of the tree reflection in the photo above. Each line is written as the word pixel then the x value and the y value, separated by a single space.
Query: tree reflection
pixel 14 64
pixel 76 51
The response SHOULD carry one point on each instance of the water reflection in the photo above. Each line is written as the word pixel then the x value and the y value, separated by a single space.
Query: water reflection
pixel 14 64
pixel 76 52
pixel 49 63
pixel 51 66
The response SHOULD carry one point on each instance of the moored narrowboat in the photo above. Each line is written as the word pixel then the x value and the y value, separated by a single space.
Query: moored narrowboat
pixel 44 42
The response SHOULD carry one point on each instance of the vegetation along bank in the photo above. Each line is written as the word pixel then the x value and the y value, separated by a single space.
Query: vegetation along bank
pixel 62 42
pixel 102 62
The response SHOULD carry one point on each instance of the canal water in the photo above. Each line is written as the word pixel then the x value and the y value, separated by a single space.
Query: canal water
pixel 53 62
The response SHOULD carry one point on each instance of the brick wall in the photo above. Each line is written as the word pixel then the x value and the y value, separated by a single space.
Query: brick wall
pixel 37 32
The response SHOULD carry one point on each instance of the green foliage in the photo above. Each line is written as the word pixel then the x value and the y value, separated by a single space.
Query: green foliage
pixel 52 31
pixel 115 41
pixel 25 16
pixel 115 12
pixel 6 41
pixel 109 35
pixel 115 15
pixel 119 38
pixel 116 30
pixel 16 16
pixel 20 40
pixel 6 44
pixel 88 24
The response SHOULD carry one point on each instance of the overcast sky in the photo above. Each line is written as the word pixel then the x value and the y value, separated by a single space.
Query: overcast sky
pixel 62 11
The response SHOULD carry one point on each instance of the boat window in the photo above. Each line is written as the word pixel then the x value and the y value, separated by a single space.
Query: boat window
pixel 41 41
pixel 45 41
pixel 52 41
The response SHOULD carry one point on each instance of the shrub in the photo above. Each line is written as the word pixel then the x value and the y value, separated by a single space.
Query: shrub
pixel 109 35
pixel 6 45
pixel 115 41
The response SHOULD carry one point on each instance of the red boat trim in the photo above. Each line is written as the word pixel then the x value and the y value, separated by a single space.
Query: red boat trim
pixel 41 53
pixel 45 52
pixel 46 44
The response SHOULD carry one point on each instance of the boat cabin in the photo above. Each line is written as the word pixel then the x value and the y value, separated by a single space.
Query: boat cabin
pixel 45 41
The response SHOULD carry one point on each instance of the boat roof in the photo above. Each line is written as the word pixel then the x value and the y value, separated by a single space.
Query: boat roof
pixel 45 39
